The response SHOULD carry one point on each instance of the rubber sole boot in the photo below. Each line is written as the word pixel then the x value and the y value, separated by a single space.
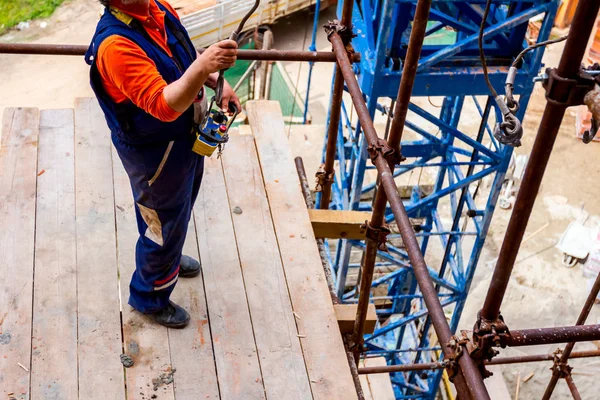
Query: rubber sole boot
pixel 188 267
pixel 173 316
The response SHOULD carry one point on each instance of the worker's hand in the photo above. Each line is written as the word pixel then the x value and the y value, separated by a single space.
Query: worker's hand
pixel 221 55
pixel 229 96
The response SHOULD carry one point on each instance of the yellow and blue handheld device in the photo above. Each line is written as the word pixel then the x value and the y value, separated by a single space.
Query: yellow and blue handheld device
pixel 213 132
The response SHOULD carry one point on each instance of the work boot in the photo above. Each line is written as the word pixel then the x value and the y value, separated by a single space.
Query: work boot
pixel 188 267
pixel 173 316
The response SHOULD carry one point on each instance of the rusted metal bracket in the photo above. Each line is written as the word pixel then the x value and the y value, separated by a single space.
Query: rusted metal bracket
pixel 488 334
pixel 457 344
pixel 353 366
pixel 382 148
pixel 323 178
pixel 378 235
pixel 561 369
pixel 583 90
pixel 567 92
pixel 343 31
pixel 355 344
pixel 592 101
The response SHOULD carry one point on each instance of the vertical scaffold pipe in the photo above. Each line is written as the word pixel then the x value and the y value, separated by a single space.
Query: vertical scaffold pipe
pixel 310 204
pixel 468 380
pixel 471 375
pixel 334 118
pixel 415 44
pixel 572 387
pixel 568 68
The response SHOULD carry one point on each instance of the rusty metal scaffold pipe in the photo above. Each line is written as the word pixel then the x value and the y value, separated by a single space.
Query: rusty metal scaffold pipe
pixel 326 175
pixel 468 381
pixel 401 368
pixel 355 373
pixel 555 335
pixel 496 361
pixel 347 8
pixel 566 354
pixel 409 71
pixel 411 63
pixel 43 49
pixel 259 55
pixel 540 357
pixel 572 387
pixel 304 186
pixel 310 204
pixel 568 68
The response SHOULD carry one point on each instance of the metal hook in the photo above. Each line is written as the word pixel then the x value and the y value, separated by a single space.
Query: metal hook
pixel 590 134
pixel 510 130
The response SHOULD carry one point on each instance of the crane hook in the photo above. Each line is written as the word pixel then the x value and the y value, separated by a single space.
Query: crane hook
pixel 510 130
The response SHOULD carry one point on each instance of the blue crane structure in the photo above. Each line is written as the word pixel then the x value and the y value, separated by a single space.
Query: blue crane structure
pixel 452 216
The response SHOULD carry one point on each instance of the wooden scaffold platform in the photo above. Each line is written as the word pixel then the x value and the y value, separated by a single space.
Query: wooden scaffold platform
pixel 263 325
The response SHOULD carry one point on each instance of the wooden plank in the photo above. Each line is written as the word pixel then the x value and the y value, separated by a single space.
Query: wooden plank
pixel 346 315
pixel 53 369
pixel 322 345
pixel 99 321
pixel 379 384
pixel 282 364
pixel 496 385
pixel 338 224
pixel 236 358
pixel 364 383
pixel 145 342
pixel 18 162
pixel 191 348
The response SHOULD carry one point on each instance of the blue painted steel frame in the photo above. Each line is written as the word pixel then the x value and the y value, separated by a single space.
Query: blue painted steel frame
pixel 459 158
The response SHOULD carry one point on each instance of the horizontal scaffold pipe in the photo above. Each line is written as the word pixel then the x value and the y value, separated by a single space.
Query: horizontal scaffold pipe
pixel 259 55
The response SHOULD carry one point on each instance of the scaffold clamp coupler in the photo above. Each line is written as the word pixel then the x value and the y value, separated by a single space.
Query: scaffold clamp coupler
pixel 455 343
pixel 382 148
pixel 323 178
pixel 488 334
pixel 378 235
pixel 561 369
pixel 592 101
pixel 395 157
pixel 354 343
pixel 566 91
pixel 343 31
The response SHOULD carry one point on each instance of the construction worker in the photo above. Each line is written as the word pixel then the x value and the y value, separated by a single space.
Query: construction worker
pixel 149 81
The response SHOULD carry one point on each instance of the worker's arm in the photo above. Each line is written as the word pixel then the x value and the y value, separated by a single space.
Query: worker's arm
pixel 182 93
pixel 229 95
pixel 128 73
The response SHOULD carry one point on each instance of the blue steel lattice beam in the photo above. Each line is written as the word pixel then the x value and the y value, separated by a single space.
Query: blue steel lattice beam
pixel 452 219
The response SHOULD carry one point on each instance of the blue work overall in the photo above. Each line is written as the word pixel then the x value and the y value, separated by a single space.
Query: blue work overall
pixel 164 173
